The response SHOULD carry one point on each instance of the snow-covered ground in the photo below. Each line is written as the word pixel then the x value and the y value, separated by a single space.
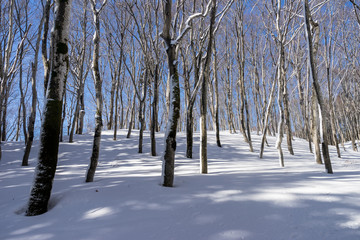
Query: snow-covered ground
pixel 242 197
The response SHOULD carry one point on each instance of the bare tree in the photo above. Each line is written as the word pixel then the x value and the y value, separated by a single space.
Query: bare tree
pixel 32 117
pixel 44 50
pixel 174 107
pixel 50 129
pixel 240 46
pixel 204 90
pixel 8 67
pixel 323 116
pixel 79 71
pixel 328 61
pixel 216 90
pixel 356 10
pixel 98 89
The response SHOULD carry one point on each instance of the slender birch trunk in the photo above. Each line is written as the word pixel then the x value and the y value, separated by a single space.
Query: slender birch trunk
pixel 132 115
pixel 281 82
pixel 80 77
pixel 98 93
pixel 32 117
pixel 280 98
pixel 313 75
pixel 287 120
pixel 328 47
pixel 44 50
pixel 266 118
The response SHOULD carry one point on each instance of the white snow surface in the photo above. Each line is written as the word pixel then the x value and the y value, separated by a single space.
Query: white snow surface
pixel 242 197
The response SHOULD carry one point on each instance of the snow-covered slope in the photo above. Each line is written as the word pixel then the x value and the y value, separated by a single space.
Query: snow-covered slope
pixel 242 197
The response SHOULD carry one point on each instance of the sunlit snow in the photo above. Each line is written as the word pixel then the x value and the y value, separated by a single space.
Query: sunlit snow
pixel 242 197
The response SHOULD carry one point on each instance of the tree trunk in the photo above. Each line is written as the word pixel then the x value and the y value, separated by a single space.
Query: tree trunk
pixel 280 79
pixel 216 85
pixel 154 116
pixel 244 123
pixel 22 106
pixel 32 116
pixel 75 119
pixel 174 101
pixel 5 72
pixel 50 129
pixel 142 107
pixel 117 101
pixel 98 93
pixel 109 124
pixel 303 103
pixel 266 118
pixel 323 115
pixel 44 54
pixel 174 111
pixel 116 111
pixel 287 121
pixel 63 116
pixel 204 90
pixel 80 77
pixel 189 131
pixel 331 104
pixel 315 128
pixel 132 117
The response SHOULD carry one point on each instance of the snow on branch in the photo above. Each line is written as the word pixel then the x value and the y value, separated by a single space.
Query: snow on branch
pixel 93 5
pixel 222 14
pixel 188 21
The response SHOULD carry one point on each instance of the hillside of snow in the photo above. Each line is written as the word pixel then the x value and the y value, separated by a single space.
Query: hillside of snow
pixel 242 197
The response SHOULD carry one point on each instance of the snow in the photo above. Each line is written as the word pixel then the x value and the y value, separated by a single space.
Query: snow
pixel 242 197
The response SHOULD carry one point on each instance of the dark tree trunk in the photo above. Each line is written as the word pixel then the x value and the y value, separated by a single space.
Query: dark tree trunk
pixel 142 108
pixel 216 85
pixel 116 108
pixel 154 115
pixel 50 130
pixel 132 117
pixel 189 131
pixel 174 103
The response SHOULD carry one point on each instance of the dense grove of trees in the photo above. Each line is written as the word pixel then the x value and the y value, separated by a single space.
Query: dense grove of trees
pixel 285 68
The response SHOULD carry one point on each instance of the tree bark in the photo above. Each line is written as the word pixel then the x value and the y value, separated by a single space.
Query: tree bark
pixel 98 93
pixel 266 118
pixel 331 105
pixel 287 120
pixel 204 90
pixel 154 115
pixel 280 80
pixel 240 45
pixel 281 83
pixel 80 78
pixel 50 130
pixel 132 116
pixel 313 75
pixel 32 117
pixel 44 54
pixel 142 107
pixel 216 86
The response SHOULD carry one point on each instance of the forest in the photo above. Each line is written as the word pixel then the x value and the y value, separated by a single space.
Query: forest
pixel 283 68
